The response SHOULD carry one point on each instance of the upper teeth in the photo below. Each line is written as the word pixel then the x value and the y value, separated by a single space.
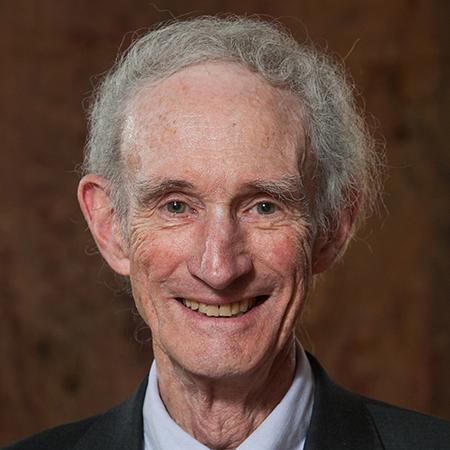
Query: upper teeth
pixel 226 310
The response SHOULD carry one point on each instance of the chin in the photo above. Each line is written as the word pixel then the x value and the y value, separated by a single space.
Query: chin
pixel 217 358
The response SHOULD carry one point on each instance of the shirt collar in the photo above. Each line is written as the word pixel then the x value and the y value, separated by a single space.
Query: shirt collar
pixel 284 428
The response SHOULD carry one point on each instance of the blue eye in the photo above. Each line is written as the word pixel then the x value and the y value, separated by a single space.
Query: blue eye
pixel 176 207
pixel 265 208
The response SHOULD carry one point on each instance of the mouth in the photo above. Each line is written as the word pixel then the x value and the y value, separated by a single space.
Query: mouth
pixel 226 310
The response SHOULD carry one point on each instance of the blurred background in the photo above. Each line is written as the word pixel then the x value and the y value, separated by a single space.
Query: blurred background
pixel 379 321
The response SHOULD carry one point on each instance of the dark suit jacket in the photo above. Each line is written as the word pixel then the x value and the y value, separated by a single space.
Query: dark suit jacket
pixel 340 420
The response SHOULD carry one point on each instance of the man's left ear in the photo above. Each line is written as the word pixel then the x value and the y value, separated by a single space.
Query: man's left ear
pixel 98 211
pixel 329 246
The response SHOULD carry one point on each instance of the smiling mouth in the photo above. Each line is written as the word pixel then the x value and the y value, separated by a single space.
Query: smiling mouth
pixel 226 310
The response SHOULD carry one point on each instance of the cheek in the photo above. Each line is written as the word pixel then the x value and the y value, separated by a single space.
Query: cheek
pixel 282 252
pixel 155 255
pixel 283 249
pixel 152 261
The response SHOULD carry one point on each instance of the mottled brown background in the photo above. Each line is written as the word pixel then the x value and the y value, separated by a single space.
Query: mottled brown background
pixel 379 322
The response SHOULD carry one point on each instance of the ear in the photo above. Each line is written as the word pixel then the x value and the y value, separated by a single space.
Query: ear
pixel 328 247
pixel 99 214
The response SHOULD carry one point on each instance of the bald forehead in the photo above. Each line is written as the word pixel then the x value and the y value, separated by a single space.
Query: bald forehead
pixel 217 82
pixel 227 88
pixel 212 104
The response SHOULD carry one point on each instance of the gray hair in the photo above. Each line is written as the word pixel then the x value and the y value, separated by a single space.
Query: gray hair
pixel 347 164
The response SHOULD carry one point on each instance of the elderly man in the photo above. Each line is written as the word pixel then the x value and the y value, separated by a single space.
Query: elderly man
pixel 226 166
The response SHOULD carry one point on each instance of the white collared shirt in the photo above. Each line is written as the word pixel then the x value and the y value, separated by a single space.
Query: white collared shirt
pixel 284 428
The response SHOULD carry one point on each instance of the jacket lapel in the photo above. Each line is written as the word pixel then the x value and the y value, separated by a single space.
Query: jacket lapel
pixel 339 419
pixel 121 428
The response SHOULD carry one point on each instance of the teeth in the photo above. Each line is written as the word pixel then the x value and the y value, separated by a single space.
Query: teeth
pixel 225 311
pixel 235 308
pixel 194 305
pixel 228 310
pixel 243 306
pixel 212 310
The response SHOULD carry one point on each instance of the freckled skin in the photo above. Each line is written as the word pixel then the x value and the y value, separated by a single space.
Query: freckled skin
pixel 218 126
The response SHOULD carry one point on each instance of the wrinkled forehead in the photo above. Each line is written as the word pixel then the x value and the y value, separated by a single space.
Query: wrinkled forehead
pixel 212 103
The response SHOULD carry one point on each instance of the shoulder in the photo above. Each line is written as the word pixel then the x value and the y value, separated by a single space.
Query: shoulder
pixel 408 429
pixel 63 437
pixel 117 429
pixel 342 420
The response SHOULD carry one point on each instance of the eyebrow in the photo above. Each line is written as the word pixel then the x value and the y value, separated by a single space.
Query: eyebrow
pixel 287 189
pixel 147 191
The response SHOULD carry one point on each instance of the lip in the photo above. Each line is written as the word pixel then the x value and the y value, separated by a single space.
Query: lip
pixel 259 298
pixel 221 321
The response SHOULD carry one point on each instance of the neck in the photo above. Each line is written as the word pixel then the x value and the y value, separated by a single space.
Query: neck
pixel 222 413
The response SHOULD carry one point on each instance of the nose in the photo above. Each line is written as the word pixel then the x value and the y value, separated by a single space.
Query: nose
pixel 220 256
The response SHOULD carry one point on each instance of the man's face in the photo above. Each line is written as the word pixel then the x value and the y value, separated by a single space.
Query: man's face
pixel 216 219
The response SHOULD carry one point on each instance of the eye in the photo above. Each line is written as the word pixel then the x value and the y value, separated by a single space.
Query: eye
pixel 266 208
pixel 176 207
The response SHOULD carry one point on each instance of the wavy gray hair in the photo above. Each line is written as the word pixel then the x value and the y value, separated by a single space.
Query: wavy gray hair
pixel 347 165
